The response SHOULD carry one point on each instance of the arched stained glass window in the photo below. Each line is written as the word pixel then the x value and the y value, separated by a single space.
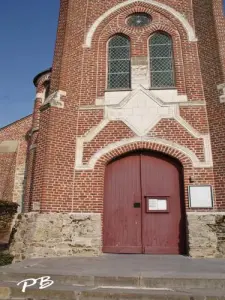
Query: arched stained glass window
pixel 119 69
pixel 161 61
pixel 139 20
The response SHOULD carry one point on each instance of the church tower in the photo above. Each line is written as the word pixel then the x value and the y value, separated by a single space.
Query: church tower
pixel 127 148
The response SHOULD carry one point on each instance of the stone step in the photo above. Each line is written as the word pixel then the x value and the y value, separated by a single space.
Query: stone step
pixel 71 292
pixel 215 282
pixel 118 277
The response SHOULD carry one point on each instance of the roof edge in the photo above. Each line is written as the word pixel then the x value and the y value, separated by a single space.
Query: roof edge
pixel 41 74
pixel 23 118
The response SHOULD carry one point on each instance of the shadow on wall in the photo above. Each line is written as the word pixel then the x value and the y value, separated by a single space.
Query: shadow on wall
pixel 8 211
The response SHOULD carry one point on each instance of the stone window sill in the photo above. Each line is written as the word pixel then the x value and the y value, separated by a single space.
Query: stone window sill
pixel 117 90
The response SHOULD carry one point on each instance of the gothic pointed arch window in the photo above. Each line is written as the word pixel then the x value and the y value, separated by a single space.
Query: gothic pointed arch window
pixel 119 62
pixel 161 61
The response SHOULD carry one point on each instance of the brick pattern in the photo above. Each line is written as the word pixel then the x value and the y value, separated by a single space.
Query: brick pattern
pixel 211 54
pixel 81 72
pixel 196 116
pixel 185 53
pixel 12 165
pixel 33 166
pixel 7 171
pixel 89 185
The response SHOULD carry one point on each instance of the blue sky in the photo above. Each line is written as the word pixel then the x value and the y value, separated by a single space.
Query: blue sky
pixel 27 35
pixel 27 38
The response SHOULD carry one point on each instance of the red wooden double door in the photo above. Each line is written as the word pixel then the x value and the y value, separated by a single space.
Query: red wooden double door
pixel 129 226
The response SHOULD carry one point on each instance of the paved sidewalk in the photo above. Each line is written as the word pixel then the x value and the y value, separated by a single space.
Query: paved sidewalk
pixel 124 266
pixel 117 277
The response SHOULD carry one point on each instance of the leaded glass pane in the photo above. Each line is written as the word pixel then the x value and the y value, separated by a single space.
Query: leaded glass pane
pixel 162 79
pixel 161 50
pixel 139 20
pixel 161 61
pixel 160 39
pixel 119 81
pixel 119 52
pixel 119 63
pixel 119 40
pixel 161 64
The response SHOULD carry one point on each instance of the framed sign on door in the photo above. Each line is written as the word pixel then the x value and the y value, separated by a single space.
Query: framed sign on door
pixel 157 204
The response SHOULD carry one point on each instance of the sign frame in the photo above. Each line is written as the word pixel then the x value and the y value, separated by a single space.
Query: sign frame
pixel 191 201
pixel 147 198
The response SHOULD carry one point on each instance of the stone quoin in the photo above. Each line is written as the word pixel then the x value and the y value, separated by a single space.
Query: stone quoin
pixel 130 117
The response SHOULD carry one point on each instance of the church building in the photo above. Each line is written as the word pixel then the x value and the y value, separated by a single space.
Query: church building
pixel 125 149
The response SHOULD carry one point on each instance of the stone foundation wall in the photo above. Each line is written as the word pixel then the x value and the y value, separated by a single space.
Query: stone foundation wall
pixel 59 234
pixel 206 234
pixel 56 234
pixel 19 185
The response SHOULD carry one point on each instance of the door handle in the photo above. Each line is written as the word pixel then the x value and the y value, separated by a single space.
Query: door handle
pixel 137 205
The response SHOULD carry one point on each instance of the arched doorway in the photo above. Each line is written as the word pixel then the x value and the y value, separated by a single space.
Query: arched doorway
pixel 143 205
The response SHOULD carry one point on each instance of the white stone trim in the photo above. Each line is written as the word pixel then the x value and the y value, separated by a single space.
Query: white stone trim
pixel 193 103
pixel 169 95
pixel 101 105
pixel 91 164
pixel 32 147
pixel 54 100
pixel 221 88
pixel 9 146
pixel 41 96
pixel 196 134
pixel 95 131
pixel 187 26
pixel 90 135
pixel 141 110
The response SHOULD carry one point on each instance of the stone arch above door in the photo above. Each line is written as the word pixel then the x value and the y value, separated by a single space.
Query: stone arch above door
pixel 104 155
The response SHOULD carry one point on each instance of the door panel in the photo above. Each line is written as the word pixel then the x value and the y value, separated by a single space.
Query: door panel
pixel 128 227
pixel 122 221
pixel 162 232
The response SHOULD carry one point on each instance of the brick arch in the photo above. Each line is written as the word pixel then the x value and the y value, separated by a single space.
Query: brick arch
pixel 157 27
pixel 109 31
pixel 164 9
pixel 115 23
pixel 113 28
pixel 104 156
pixel 121 32
pixel 40 84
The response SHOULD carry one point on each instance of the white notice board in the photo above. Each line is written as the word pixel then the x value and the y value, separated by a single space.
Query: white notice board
pixel 157 205
pixel 200 196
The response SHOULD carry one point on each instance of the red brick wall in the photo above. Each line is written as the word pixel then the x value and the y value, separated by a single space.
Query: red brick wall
pixel 10 161
pixel 211 35
pixel 7 172
pixel 34 166
pixel 81 72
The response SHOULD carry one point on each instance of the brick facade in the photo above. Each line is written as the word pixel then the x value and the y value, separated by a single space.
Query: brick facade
pixel 13 153
pixel 81 126
pixel 211 55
